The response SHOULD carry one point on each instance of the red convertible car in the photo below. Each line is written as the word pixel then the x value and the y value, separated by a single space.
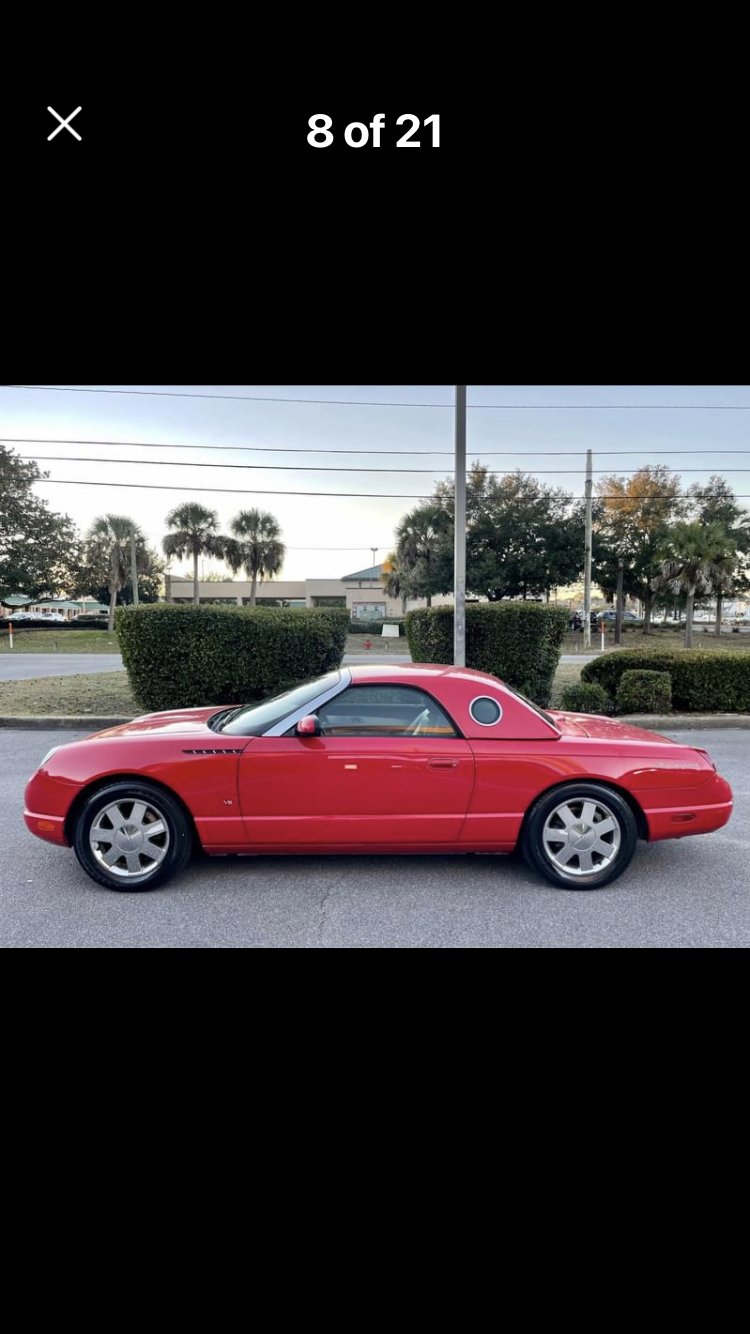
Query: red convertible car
pixel 373 759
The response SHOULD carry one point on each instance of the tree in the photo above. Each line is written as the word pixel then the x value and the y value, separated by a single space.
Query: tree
pixel 108 552
pixel 633 515
pixel 92 577
pixel 256 547
pixel 523 538
pixel 40 551
pixel 692 558
pixel 715 502
pixel 421 550
pixel 391 579
pixel 195 533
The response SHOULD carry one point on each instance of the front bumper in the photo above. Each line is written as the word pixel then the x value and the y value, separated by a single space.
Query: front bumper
pixel 49 827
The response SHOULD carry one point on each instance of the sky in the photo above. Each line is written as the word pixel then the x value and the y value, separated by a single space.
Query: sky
pixel 330 536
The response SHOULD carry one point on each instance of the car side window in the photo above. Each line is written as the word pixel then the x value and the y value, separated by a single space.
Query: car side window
pixel 385 711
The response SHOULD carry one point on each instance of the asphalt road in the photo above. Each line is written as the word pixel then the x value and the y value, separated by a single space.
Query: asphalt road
pixel 692 892
pixel 25 666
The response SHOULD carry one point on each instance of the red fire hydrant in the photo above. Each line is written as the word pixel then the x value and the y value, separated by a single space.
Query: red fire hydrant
pixel 368 643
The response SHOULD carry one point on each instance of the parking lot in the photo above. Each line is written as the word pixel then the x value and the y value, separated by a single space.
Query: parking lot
pixel 692 892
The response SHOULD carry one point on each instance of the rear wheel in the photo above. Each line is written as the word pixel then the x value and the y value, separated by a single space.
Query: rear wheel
pixel 581 836
pixel 132 836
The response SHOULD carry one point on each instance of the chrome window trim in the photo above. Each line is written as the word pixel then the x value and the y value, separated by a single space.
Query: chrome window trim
pixel 278 729
pixel 492 700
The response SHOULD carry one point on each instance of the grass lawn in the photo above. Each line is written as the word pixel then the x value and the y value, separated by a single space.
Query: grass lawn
pixel 67 641
pixel 106 693
pixel 567 674
pixel 670 638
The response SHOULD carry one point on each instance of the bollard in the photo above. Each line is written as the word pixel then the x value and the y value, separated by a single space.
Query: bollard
pixel 10 632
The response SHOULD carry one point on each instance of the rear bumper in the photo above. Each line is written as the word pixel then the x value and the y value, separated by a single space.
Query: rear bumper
pixel 679 822
pixel 700 811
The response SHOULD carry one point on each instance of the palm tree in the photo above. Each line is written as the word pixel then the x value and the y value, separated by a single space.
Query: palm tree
pixel 257 547
pixel 693 559
pixel 390 577
pixel 195 533
pixel 112 532
pixel 419 540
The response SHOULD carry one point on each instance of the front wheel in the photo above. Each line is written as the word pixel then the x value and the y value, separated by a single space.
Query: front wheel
pixel 132 836
pixel 581 836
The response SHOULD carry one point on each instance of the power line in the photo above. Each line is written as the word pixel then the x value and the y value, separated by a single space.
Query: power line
pixel 304 467
pixel 349 495
pixel 263 467
pixel 426 453
pixel 229 490
pixel 362 403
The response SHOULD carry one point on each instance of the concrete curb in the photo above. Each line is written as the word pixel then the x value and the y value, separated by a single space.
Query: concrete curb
pixel 48 722
pixel 685 722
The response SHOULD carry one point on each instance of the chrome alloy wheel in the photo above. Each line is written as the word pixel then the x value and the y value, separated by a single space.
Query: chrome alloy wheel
pixel 129 838
pixel 581 837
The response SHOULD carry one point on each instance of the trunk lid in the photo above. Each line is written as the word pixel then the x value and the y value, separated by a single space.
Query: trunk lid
pixel 603 729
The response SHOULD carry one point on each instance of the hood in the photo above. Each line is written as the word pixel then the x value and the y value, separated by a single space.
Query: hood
pixel 595 725
pixel 171 723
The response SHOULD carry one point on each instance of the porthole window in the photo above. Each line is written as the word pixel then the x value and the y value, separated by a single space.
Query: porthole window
pixel 485 711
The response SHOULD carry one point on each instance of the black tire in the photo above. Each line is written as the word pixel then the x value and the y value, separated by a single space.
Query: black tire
pixel 174 847
pixel 540 844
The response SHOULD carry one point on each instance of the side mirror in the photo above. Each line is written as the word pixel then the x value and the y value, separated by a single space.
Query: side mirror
pixel 309 726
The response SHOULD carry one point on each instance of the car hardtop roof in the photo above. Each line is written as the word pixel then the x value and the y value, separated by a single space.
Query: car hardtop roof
pixel 411 672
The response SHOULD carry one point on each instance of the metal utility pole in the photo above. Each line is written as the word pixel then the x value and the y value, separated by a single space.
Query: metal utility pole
pixel 373 550
pixel 587 557
pixel 459 552
pixel 619 605
pixel 133 568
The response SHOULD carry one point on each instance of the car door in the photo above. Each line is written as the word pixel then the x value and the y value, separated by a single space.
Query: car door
pixel 389 769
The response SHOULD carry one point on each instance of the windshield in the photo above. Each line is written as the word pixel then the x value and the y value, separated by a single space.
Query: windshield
pixel 532 705
pixel 254 719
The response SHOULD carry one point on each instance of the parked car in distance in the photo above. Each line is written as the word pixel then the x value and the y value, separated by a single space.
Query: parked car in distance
pixel 398 758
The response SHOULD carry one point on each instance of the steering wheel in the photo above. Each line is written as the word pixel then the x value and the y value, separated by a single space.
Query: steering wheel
pixel 418 724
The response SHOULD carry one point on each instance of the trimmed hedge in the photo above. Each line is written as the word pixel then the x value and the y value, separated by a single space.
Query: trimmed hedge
pixel 702 681
pixel 644 692
pixel 586 697
pixel 180 656
pixel 517 641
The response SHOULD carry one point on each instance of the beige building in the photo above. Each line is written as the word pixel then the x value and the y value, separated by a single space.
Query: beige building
pixel 362 593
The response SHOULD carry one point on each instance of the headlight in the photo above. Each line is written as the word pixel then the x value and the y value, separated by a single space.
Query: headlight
pixel 49 755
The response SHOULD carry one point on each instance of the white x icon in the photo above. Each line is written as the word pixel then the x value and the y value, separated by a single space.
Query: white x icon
pixel 64 125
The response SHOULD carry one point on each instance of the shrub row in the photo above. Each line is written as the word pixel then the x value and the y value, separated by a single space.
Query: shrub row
pixel 517 641
pixel 701 681
pixel 644 692
pixel 180 656
pixel 586 697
